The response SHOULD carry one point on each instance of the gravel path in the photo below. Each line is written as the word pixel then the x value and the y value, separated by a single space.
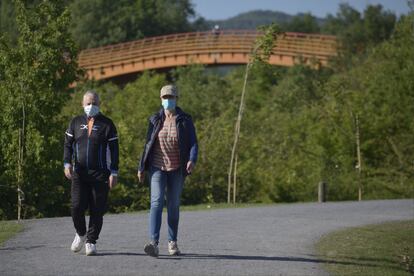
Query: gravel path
pixel 273 240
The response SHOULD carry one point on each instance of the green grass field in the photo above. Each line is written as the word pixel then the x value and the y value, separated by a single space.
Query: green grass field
pixel 8 229
pixel 383 249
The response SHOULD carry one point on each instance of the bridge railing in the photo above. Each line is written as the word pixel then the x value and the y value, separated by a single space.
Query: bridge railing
pixel 231 41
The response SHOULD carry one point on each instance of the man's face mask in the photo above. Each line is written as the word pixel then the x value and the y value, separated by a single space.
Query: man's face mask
pixel 91 110
pixel 169 104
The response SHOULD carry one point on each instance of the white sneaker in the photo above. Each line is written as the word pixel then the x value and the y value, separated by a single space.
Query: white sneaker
pixel 90 249
pixel 151 249
pixel 173 248
pixel 77 243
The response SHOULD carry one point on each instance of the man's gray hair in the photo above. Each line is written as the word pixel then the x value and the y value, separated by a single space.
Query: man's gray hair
pixel 93 94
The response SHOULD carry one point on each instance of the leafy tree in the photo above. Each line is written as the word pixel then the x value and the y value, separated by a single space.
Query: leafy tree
pixel 378 24
pixel 34 76
pixel 101 22
pixel 359 32
pixel 306 23
pixel 212 103
pixel 8 27
pixel 380 91
pixel 259 55
pixel 7 20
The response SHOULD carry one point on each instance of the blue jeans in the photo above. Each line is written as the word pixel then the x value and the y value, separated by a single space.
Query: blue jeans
pixel 160 180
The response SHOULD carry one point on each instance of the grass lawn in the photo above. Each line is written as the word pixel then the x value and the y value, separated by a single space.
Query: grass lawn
pixel 381 249
pixel 8 229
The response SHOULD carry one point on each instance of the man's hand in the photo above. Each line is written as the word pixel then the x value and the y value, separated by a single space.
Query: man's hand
pixel 141 176
pixel 68 172
pixel 190 167
pixel 113 180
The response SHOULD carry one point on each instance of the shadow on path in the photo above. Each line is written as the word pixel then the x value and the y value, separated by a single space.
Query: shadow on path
pixel 22 247
pixel 120 254
pixel 195 256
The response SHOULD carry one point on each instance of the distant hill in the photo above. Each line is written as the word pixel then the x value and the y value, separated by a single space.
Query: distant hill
pixel 253 19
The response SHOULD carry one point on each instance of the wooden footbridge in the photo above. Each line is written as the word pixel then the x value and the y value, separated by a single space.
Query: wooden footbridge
pixel 209 48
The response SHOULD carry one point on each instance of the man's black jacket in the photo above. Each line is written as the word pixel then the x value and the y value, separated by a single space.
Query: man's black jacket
pixel 99 151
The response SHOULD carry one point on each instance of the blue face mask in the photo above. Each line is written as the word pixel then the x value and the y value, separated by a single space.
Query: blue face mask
pixel 169 104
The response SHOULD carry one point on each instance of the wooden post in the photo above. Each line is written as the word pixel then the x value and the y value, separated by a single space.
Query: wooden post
pixel 235 180
pixel 322 189
pixel 359 158
pixel 20 194
pixel 19 177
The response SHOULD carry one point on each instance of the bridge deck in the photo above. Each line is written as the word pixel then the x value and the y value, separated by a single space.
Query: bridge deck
pixel 227 47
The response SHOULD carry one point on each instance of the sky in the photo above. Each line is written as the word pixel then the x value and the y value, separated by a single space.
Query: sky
pixel 223 9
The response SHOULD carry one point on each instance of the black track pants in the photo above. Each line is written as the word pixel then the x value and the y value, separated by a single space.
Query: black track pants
pixel 89 189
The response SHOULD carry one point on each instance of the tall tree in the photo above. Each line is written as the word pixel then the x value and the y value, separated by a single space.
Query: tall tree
pixel 306 23
pixel 379 91
pixel 34 78
pixel 261 52
pixel 8 27
pixel 357 31
pixel 102 22
pixel 7 20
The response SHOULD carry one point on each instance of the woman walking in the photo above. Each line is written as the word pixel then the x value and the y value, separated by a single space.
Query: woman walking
pixel 169 155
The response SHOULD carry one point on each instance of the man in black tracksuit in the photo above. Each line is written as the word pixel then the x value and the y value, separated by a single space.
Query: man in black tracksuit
pixel 91 147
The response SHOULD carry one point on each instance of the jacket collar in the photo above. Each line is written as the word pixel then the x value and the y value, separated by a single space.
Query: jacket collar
pixel 95 117
pixel 161 115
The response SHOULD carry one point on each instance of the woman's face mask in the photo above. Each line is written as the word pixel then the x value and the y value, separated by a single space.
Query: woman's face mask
pixel 169 104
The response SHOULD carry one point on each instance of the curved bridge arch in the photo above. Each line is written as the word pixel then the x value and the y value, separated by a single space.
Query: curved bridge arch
pixel 226 47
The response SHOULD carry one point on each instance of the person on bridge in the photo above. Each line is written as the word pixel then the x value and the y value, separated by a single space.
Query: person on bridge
pixel 216 30
pixel 170 154
pixel 91 143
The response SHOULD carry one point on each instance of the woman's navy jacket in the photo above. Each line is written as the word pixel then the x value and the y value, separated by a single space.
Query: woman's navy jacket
pixel 187 139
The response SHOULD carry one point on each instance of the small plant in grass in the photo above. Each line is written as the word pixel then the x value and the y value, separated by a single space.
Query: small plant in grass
pixel 406 260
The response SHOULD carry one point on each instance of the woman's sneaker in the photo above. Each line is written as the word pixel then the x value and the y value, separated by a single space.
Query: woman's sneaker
pixel 77 243
pixel 151 249
pixel 173 248
pixel 90 249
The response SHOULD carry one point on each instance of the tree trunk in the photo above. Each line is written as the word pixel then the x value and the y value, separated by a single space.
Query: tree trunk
pixel 235 180
pixel 237 131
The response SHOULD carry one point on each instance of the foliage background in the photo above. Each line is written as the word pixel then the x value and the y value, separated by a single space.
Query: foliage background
pixel 299 123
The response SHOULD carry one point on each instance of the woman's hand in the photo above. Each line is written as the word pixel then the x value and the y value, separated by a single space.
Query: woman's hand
pixel 190 167
pixel 141 176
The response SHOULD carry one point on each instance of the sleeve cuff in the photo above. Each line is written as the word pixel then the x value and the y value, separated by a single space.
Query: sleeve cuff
pixel 67 165
pixel 114 173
